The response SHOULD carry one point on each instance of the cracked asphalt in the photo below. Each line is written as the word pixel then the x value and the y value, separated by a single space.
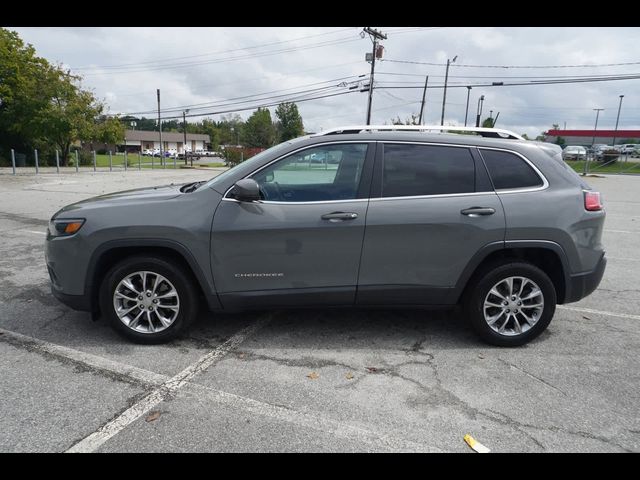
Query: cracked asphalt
pixel 309 380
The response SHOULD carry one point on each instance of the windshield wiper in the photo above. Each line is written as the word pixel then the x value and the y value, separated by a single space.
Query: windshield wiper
pixel 191 187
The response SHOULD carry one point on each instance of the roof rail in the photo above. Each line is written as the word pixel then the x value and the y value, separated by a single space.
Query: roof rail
pixel 484 132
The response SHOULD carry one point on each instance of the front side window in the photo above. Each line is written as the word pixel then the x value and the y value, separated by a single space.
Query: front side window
pixel 416 170
pixel 509 171
pixel 323 173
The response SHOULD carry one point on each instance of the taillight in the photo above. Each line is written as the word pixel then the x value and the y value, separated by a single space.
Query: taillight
pixel 592 201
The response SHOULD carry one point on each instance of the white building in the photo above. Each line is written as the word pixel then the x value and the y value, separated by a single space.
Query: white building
pixel 141 140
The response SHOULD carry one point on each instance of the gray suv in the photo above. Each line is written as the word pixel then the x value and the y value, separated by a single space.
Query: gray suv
pixel 354 217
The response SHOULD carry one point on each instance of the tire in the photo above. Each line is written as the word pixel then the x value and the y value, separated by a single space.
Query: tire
pixel 176 303
pixel 478 292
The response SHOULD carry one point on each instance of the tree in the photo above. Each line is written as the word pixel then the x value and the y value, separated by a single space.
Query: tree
pixel 22 77
pixel 289 124
pixel 488 122
pixel 413 120
pixel 259 130
pixel 43 105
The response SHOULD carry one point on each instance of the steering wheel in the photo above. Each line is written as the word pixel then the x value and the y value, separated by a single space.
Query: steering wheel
pixel 268 193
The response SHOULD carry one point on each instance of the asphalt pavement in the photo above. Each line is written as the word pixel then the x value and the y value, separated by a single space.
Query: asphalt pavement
pixel 309 380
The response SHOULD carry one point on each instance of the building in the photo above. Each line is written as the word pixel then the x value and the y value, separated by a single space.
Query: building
pixel 140 140
pixel 585 137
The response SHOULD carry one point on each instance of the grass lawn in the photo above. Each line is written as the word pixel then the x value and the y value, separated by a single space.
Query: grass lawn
pixel 598 167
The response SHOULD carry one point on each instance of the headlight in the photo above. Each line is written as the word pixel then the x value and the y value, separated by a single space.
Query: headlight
pixel 63 227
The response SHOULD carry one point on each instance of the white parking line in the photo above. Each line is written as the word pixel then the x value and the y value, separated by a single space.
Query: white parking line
pixel 86 358
pixel 304 419
pixel 623 259
pixel 622 231
pixel 312 420
pixel 599 312
pixel 34 231
pixel 104 433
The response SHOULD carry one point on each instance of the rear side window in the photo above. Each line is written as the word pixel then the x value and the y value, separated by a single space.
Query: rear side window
pixel 413 170
pixel 509 171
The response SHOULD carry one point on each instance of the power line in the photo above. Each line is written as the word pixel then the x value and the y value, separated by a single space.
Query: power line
pixel 263 105
pixel 184 65
pixel 217 103
pixel 532 82
pixel 514 66
pixel 503 76
pixel 255 79
pixel 251 47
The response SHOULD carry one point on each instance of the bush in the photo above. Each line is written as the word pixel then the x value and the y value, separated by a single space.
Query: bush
pixel 234 155
pixel 85 157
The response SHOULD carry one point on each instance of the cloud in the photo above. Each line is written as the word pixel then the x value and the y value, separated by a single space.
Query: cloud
pixel 195 66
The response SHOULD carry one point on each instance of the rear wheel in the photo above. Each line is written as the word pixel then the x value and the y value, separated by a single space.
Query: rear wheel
pixel 148 299
pixel 510 304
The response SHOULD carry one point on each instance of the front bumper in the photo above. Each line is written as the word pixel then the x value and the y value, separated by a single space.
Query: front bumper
pixel 584 284
pixel 77 302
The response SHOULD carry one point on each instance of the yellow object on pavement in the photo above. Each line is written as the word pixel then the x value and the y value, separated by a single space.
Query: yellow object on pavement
pixel 475 445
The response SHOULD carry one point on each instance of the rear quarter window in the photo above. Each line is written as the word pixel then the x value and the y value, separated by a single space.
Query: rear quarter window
pixel 508 171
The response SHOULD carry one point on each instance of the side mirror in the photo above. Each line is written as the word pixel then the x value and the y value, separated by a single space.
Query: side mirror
pixel 246 190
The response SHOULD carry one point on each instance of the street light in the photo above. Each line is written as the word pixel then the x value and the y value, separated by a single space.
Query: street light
pixel 184 129
pixel 466 112
pixel 615 132
pixel 479 111
pixel 444 95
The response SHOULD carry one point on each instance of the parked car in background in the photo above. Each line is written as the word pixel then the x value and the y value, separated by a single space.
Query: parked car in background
pixel 502 227
pixel 147 152
pixel 574 152
pixel 628 148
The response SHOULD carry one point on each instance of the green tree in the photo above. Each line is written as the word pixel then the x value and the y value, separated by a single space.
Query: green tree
pixel 488 122
pixel 413 120
pixel 289 124
pixel 22 78
pixel 259 130
pixel 43 105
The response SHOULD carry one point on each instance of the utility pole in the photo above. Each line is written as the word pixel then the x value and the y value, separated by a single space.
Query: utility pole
pixel 375 36
pixel 479 111
pixel 424 95
pixel 466 112
pixel 184 128
pixel 595 131
pixel 615 132
pixel 597 110
pixel 160 128
pixel 444 95
pixel 495 120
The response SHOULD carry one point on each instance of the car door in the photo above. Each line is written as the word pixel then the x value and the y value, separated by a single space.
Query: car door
pixel 432 209
pixel 301 243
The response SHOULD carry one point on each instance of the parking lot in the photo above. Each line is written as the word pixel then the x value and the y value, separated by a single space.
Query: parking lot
pixel 309 380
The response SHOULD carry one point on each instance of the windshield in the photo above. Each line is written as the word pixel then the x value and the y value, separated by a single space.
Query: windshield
pixel 249 165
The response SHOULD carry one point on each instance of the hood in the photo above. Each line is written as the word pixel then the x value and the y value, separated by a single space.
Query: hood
pixel 138 195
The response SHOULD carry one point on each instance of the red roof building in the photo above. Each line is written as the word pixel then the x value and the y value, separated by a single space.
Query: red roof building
pixel 585 137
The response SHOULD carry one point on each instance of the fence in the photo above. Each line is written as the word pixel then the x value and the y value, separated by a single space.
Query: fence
pixel 608 164
pixel 93 161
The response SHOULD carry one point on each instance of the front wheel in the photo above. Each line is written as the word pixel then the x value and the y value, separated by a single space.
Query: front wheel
pixel 510 304
pixel 148 299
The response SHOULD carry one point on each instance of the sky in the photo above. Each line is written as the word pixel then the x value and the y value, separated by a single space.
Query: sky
pixel 216 69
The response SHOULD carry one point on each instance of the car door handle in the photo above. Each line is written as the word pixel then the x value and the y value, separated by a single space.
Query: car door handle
pixel 478 211
pixel 339 216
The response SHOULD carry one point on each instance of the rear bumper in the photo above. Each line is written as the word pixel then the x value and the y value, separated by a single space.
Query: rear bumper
pixel 77 302
pixel 584 284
